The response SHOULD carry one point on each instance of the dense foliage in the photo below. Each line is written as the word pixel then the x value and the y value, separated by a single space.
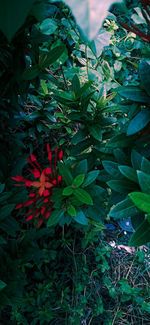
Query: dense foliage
pixel 75 156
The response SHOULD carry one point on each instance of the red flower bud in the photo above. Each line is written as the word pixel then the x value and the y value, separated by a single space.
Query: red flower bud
pixel 60 155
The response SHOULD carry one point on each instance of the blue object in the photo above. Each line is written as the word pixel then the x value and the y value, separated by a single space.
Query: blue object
pixel 126 224
pixel 109 226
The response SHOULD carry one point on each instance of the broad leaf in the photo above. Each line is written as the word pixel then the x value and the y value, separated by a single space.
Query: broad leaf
pixel 134 94
pixel 141 201
pixel 91 177
pixel 67 190
pixel 112 168
pixel 96 132
pixel 66 174
pixel 55 216
pixel 139 122
pixel 128 172
pixel 71 211
pixel 83 196
pixel 145 165
pixel 142 235
pixel 144 71
pixel 123 209
pixel 90 14
pixel 79 179
pixel 121 186
pixel 81 218
pixel 48 26
pixel 144 181
pixel 136 159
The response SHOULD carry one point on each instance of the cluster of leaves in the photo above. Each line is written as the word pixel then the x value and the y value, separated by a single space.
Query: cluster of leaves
pixel 87 91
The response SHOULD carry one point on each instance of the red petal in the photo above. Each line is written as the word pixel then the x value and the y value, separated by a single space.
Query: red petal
pixel 29 218
pixel 60 155
pixel 48 148
pixel 54 181
pixel 42 210
pixel 19 206
pixel 48 171
pixel 33 158
pixel 45 200
pixel 46 193
pixel 28 183
pixel 59 178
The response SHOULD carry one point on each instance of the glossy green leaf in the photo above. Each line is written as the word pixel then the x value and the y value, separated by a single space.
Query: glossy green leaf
pixel 81 218
pixel 51 57
pixel 145 165
pixel 48 26
pixel 65 172
pixel 144 72
pixel 142 235
pixel 71 211
pixel 129 173
pixel 81 167
pixel 13 15
pixel 136 159
pixel 112 168
pixel 121 186
pixel 83 196
pixel 134 94
pixel 76 85
pixel 67 190
pixel 79 179
pixel 91 177
pixel 55 216
pixel 124 209
pixel 96 132
pixel 139 122
pixel 90 14
pixel 141 201
pixel 144 181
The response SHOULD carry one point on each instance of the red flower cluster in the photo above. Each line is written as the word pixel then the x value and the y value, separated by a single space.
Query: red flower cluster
pixel 42 189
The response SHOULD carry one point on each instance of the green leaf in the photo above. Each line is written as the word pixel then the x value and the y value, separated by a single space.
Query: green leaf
pixel 121 186
pixel 81 218
pixel 81 167
pixel 51 57
pixel 48 26
pixel 2 285
pixel 136 160
pixel 128 172
pixel 134 94
pixel 90 14
pixel 78 180
pixel 71 211
pixel 31 72
pixel 13 15
pixel 112 168
pixel 83 196
pixel 91 177
pixel 65 172
pixel 55 216
pixel 6 210
pixel 139 122
pixel 142 235
pixel 118 141
pixel 96 132
pixel 145 165
pixel 67 190
pixel 76 85
pixel 123 209
pixel 141 201
pixel 144 181
pixel 144 72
